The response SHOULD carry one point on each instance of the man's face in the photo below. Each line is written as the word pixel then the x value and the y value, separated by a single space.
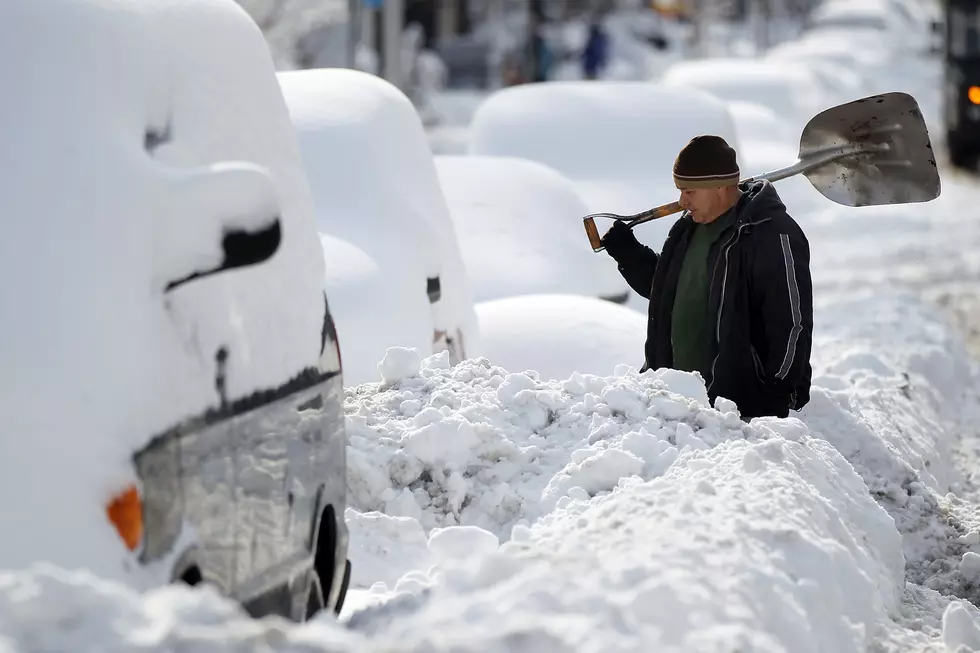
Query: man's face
pixel 704 204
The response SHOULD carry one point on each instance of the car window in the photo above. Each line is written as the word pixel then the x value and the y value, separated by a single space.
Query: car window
pixel 963 32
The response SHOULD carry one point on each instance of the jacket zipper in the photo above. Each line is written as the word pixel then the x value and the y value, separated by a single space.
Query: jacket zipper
pixel 724 283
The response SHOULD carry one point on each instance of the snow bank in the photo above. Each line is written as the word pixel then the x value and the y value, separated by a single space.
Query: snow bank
pixel 117 185
pixel 375 186
pixel 622 512
pixel 558 467
pixel 616 141
pixel 765 546
pixel 890 400
pixel 558 335
pixel 519 228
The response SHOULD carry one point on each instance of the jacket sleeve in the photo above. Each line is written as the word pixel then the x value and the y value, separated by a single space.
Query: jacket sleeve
pixel 637 265
pixel 785 304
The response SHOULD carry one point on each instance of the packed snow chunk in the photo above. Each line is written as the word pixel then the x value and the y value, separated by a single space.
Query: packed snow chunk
pixel 474 444
pixel 49 609
pixel 599 472
pixel 375 186
pixel 384 548
pixel 517 225
pixel 461 542
pixel 448 441
pixel 399 363
pixel 134 316
pixel 961 627
pixel 970 567
pixel 557 335
pixel 796 559
pixel 615 140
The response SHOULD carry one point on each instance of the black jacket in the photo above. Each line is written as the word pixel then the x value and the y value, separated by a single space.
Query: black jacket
pixel 760 298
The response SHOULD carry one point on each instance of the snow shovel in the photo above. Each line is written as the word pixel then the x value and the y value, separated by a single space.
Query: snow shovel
pixel 868 152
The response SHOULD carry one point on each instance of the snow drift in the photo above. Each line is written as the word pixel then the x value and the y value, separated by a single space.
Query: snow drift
pixel 623 512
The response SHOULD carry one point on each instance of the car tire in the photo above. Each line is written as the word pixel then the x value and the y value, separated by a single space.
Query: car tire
pixel 342 595
pixel 315 602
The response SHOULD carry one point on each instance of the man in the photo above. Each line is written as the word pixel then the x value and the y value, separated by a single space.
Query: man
pixel 730 294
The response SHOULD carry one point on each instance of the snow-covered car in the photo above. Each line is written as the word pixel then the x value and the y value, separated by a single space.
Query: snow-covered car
pixel 905 24
pixel 519 230
pixel 842 83
pixel 375 187
pixel 616 141
pixel 791 90
pixel 559 335
pixel 170 381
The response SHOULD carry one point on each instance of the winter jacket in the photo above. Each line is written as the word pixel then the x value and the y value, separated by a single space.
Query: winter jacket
pixel 760 302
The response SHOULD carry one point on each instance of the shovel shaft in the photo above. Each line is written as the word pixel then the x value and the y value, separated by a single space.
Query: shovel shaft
pixel 631 221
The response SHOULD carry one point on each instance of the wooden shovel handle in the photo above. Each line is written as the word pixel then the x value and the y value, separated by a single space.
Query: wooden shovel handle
pixel 631 221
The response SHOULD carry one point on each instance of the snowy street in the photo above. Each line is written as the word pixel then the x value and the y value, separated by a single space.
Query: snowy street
pixel 513 483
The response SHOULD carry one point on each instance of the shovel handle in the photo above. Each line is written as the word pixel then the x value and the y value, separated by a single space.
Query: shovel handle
pixel 631 221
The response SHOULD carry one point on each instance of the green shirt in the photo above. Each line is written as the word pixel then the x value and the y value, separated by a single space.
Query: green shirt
pixel 691 329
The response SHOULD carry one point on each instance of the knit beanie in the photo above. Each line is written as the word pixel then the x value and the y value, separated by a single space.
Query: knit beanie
pixel 706 162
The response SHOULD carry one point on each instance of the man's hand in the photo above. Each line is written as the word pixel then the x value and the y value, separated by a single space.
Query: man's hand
pixel 619 239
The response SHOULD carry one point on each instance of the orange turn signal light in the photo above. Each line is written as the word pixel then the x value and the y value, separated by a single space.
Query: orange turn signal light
pixel 125 512
pixel 973 94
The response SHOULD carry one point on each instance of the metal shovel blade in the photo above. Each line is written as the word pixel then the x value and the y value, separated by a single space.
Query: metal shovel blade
pixel 893 162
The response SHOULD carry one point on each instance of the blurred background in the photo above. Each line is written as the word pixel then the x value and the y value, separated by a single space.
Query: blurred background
pixel 472 47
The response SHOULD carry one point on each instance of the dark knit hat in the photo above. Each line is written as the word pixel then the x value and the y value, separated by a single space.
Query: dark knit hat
pixel 706 162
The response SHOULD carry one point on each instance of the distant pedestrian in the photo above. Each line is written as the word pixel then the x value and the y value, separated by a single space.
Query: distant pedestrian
pixel 595 55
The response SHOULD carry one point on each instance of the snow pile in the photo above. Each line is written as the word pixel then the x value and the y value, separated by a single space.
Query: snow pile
pixel 622 512
pixel 891 399
pixel 616 141
pixel 116 187
pixel 478 446
pixel 475 444
pixel 772 545
pixel 376 188
pixel 518 223
pixel 558 335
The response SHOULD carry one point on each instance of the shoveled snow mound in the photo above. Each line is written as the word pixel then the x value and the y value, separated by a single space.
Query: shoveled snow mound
pixel 615 513
pixel 167 128
pixel 772 545
pixel 558 335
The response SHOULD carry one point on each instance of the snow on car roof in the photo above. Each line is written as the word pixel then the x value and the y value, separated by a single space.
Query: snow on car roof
pixel 520 231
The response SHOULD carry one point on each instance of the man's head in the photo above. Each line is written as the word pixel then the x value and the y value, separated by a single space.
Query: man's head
pixel 706 172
